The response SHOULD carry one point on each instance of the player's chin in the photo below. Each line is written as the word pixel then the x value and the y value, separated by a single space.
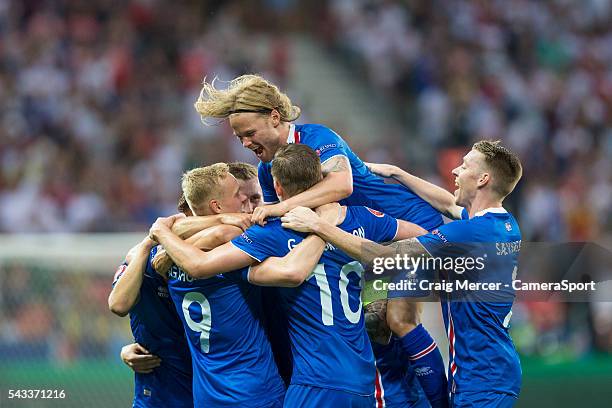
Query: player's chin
pixel 264 156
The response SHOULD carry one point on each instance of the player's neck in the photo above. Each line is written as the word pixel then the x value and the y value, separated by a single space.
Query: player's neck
pixel 482 202
pixel 283 132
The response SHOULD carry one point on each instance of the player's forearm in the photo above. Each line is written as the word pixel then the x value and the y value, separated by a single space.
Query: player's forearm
pixel 185 255
pixel 189 226
pixel 334 187
pixel 292 269
pixel 407 230
pixel 213 237
pixel 356 247
pixel 125 293
pixel 162 261
pixel 439 198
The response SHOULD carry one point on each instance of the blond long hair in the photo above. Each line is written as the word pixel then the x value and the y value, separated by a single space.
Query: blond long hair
pixel 247 93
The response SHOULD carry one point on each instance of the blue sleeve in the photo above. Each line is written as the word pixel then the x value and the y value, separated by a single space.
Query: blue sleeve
pixel 464 214
pixel 378 227
pixel 326 143
pixel 446 241
pixel 148 268
pixel 267 184
pixel 260 244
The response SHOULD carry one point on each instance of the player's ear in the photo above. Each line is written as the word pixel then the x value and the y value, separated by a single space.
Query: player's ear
pixel 279 190
pixel 275 118
pixel 215 207
pixel 483 180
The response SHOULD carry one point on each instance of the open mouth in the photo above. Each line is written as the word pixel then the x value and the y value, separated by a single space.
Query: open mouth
pixel 258 151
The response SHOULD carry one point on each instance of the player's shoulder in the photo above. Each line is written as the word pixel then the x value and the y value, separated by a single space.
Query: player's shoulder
pixel 362 210
pixel 456 231
pixel 357 219
pixel 312 133
pixel 499 221
pixel 273 227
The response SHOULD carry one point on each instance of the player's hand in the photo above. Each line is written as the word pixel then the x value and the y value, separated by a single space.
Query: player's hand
pixel 162 225
pixel 383 170
pixel 240 220
pixel 162 263
pixel 261 213
pixel 147 243
pixel 300 219
pixel 139 359
pixel 329 213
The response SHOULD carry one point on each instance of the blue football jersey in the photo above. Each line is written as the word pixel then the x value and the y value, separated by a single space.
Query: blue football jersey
pixel 233 363
pixel 482 355
pixel 156 326
pixel 368 189
pixel 329 343
pixel 396 384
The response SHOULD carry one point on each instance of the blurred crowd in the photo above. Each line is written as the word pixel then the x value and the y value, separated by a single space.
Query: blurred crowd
pixel 96 105
pixel 535 74
pixel 97 123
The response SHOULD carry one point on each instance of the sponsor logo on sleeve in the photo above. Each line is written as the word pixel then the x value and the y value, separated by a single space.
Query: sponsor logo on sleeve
pixel 439 234
pixel 326 147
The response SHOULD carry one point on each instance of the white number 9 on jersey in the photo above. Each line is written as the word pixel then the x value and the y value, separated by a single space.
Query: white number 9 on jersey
pixel 202 327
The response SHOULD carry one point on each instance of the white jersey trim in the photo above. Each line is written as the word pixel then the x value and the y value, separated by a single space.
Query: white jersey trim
pixel 235 246
pixel 492 210
pixel 291 136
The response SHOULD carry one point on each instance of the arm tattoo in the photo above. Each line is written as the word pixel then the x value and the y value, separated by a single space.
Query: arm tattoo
pixel 335 164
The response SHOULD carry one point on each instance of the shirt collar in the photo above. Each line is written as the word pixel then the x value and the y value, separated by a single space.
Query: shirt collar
pixel 292 136
pixel 492 210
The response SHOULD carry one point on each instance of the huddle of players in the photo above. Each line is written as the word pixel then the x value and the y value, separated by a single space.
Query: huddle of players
pixel 225 323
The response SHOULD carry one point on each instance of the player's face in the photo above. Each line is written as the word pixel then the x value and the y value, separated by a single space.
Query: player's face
pixel 257 132
pixel 251 189
pixel 232 199
pixel 467 176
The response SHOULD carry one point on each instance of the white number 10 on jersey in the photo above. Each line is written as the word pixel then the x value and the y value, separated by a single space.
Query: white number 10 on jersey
pixel 327 311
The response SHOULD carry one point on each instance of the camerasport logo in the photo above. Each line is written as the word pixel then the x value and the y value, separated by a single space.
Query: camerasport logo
pixel 376 213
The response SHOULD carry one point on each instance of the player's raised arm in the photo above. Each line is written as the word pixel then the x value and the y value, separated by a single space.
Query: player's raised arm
pixel 439 198
pixel 194 261
pixel 337 184
pixel 127 286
